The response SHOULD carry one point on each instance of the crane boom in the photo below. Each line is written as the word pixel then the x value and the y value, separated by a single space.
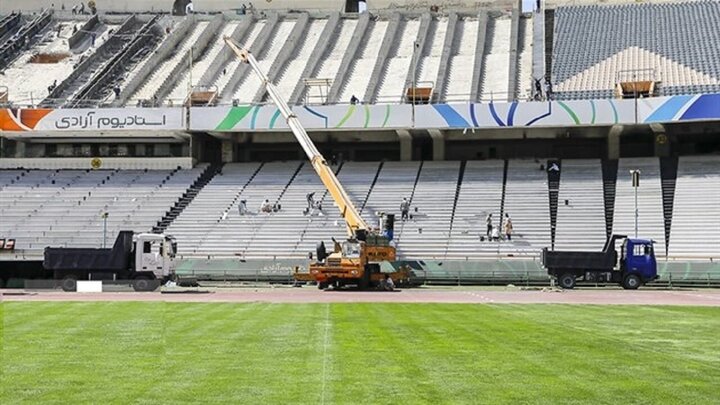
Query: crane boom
pixel 354 222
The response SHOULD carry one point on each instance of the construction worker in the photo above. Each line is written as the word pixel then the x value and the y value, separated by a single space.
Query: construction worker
pixel 489 225
pixel 388 284
pixel 242 207
pixel 266 206
pixel 495 235
pixel 310 202
pixel 508 227
pixel 404 209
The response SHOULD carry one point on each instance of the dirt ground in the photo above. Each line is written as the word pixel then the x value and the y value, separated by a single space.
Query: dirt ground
pixel 468 295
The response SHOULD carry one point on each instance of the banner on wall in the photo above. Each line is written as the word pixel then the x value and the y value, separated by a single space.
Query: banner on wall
pixel 100 119
pixel 430 116
pixel 605 112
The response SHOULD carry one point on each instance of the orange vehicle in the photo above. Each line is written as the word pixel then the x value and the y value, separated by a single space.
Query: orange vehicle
pixel 355 261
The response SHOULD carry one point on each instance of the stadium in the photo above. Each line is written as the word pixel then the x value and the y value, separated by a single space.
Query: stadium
pixel 474 154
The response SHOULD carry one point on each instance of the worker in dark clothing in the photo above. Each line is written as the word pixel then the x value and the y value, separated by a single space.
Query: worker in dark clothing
pixel 404 209
pixel 116 90
pixel 310 198
pixel 538 90
pixel 354 100
pixel 489 225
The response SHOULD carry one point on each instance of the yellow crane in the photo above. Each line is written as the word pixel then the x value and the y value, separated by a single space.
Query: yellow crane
pixel 356 261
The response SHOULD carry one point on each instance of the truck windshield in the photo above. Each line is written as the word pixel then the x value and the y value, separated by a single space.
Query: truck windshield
pixel 351 249
pixel 642 250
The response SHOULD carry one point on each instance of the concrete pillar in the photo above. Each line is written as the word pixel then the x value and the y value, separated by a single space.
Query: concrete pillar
pixel 613 142
pixel 661 141
pixel 405 145
pixel 228 151
pixel 438 141
pixel 20 150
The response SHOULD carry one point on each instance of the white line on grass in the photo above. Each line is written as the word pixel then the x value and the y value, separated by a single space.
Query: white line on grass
pixel 326 343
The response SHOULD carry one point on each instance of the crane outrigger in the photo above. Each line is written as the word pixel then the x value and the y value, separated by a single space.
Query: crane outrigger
pixel 356 261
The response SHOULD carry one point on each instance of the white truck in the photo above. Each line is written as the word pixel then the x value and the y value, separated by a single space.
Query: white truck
pixel 144 260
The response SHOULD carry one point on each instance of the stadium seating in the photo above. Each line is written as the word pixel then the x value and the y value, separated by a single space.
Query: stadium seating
pixel 593 44
pixel 480 194
pixel 464 56
pixel 450 202
pixel 580 223
pixel 695 231
pixel 378 55
pixel 64 207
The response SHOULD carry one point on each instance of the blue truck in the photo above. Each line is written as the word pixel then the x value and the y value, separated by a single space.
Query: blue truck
pixel 636 266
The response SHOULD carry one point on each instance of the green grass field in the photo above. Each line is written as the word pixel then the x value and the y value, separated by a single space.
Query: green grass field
pixel 357 353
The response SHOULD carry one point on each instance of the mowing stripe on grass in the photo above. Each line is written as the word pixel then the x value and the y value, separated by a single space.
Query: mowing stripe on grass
pixel 326 344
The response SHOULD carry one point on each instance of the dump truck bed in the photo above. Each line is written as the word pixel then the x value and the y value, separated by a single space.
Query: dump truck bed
pixel 558 260
pixel 115 259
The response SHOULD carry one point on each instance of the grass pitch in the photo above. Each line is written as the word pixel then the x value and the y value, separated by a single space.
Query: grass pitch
pixel 357 353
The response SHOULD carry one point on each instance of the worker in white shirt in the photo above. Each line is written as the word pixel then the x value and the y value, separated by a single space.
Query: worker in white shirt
pixel 190 8
pixel 266 206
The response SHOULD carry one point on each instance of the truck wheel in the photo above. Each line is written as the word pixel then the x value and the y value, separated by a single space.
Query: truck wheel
pixel 323 285
pixel 631 282
pixel 142 284
pixel 567 281
pixel 69 283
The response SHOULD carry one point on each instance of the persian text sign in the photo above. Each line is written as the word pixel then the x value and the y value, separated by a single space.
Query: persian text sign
pixel 100 119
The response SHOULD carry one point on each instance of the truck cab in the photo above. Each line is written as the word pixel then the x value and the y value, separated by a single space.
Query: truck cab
pixel 638 258
pixel 155 253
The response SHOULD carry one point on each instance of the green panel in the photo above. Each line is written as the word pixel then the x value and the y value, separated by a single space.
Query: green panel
pixel 235 115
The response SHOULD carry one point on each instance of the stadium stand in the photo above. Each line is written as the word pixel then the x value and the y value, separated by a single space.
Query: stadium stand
pixel 64 207
pixel 450 201
pixel 426 235
pixel 203 223
pixel 480 194
pixel 650 202
pixel 374 59
pixel 695 231
pixel 482 56
pixel 676 41
pixel 358 179
pixel 580 222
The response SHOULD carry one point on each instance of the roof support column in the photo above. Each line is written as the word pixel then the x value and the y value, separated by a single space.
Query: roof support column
pixel 405 145
pixel 613 142
pixel 438 141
